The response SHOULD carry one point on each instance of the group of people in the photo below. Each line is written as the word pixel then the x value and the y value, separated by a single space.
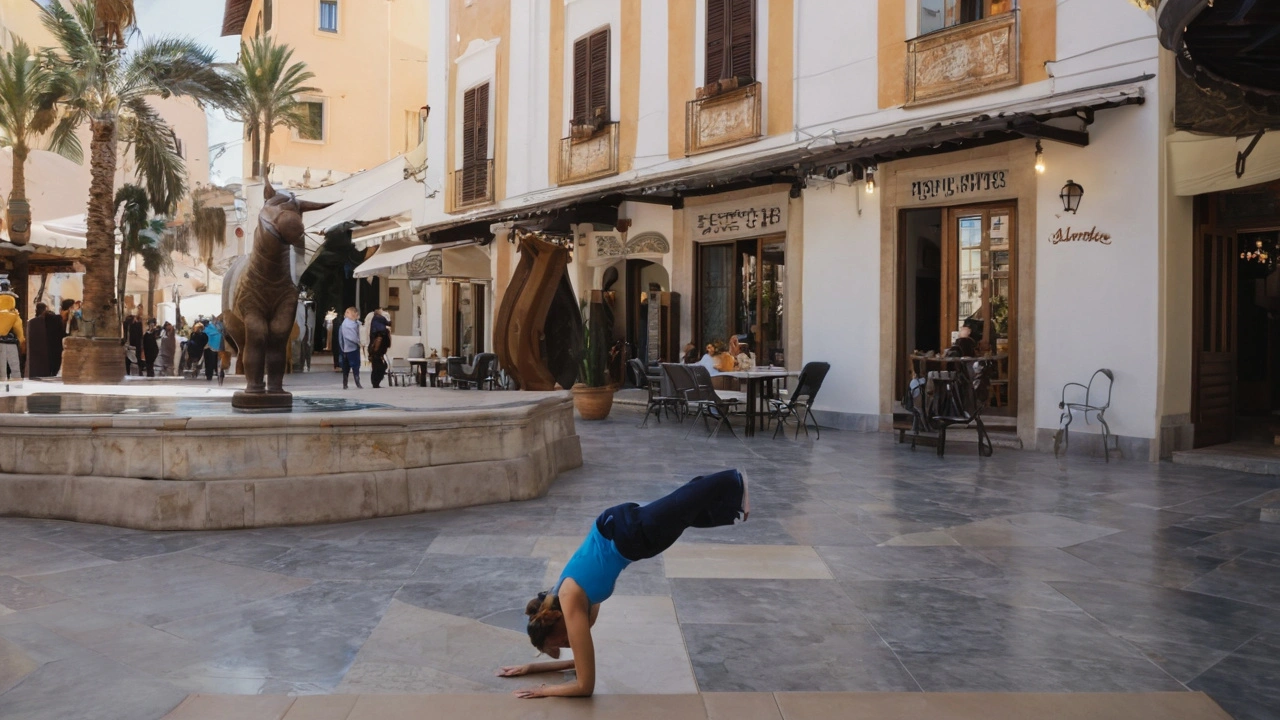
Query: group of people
pixel 721 358
pixel 41 339
pixel 350 335
pixel 154 350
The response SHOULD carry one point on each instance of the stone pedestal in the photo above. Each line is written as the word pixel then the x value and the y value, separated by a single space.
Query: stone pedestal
pixel 92 361
pixel 262 402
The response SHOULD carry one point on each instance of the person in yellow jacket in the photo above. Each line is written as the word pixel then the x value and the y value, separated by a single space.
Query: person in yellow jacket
pixel 11 337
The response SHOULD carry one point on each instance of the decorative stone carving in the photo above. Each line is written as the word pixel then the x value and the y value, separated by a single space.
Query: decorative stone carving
pixel 587 159
pixel 728 119
pixel 260 301
pixel 608 246
pixel 429 265
pixel 968 59
pixel 649 242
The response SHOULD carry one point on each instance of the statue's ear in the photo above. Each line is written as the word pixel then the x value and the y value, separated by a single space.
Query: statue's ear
pixel 268 192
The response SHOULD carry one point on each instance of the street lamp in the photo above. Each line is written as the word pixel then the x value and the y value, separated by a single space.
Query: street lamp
pixel 1071 194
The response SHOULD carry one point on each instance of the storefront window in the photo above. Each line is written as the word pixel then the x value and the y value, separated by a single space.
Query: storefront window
pixel 939 14
pixel 741 292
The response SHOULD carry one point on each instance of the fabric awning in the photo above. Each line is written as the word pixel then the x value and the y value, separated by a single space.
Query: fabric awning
pixel 1207 163
pixel 390 256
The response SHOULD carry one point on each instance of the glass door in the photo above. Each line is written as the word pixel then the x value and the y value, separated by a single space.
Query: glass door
pixel 980 291
pixel 741 292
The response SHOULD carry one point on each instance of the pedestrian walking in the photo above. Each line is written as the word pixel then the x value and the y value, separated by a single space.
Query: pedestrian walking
pixel 349 346
pixel 150 348
pixel 38 344
pixel 379 344
pixel 213 349
pixel 562 617
pixel 167 350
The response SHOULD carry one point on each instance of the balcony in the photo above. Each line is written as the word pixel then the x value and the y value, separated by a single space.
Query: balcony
pixel 583 159
pixel 967 59
pixel 724 120
pixel 471 186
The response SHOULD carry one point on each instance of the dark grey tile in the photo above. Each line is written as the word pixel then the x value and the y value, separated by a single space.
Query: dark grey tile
pixel 759 601
pixel 1246 683
pixel 1138 557
pixel 792 656
pixel 358 560
pixel 18 595
pixel 1250 578
pixel 906 563
pixel 1183 632
pixel 474 587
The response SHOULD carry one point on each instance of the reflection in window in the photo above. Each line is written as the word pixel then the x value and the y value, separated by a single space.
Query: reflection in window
pixel 938 14
pixel 329 15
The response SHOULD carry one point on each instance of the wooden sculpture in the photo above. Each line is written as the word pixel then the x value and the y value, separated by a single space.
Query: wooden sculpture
pixel 260 301
pixel 537 333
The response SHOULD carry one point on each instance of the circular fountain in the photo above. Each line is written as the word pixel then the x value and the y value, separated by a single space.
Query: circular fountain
pixel 153 462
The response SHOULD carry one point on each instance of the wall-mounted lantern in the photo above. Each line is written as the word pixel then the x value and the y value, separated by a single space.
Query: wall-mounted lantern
pixel 1071 194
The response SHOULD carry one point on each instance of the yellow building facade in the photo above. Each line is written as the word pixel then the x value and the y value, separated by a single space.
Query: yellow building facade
pixel 370 65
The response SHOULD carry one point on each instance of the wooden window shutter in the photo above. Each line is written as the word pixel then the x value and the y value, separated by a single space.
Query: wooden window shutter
pixel 716 26
pixel 475 143
pixel 741 55
pixel 581 84
pixel 599 76
pixel 482 123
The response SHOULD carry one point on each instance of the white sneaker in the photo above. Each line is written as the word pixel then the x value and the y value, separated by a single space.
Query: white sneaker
pixel 745 510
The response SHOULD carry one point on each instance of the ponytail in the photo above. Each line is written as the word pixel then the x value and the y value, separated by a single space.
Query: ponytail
pixel 544 613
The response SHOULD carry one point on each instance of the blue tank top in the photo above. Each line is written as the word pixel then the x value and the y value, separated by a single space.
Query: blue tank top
pixel 595 567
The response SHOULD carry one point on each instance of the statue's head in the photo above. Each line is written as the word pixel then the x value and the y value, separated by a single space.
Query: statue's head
pixel 281 216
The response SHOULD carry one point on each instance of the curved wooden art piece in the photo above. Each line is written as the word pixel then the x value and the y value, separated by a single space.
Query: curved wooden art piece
pixel 537 333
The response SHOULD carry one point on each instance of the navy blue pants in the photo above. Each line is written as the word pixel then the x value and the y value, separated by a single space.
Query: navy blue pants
pixel 642 532
pixel 350 364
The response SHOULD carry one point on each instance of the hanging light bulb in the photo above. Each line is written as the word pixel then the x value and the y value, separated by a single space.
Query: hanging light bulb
pixel 1039 159
pixel 871 181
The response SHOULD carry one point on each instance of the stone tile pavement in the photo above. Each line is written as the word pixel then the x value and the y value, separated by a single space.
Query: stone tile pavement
pixel 866 570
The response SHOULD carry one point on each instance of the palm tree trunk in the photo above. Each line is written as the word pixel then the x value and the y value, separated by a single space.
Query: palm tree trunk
pixel 101 315
pixel 266 145
pixel 122 277
pixel 255 138
pixel 151 294
pixel 20 217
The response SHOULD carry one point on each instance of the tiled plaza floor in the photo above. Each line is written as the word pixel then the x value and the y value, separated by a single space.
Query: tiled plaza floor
pixel 864 567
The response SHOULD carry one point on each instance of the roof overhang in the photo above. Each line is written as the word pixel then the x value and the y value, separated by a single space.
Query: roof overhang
pixel 1232 41
pixel 234 16
pixel 1063 117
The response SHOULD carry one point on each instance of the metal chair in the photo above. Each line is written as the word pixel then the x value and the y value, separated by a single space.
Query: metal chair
pixel 399 373
pixel 1094 402
pixel 475 374
pixel 799 406
pixel 965 399
pixel 657 402
pixel 708 402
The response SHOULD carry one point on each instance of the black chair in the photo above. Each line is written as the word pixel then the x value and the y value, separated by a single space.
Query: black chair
pixel 475 374
pixel 799 406
pixel 964 399
pixel 657 402
pixel 707 402
pixel 1092 402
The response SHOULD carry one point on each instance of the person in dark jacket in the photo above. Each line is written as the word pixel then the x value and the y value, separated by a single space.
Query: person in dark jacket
pixel 379 344
pixel 38 344
pixel 196 343
pixel 150 347
pixel 133 338
pixel 54 332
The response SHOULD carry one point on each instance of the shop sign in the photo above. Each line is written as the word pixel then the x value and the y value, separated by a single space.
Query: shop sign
pixel 959 185
pixel 719 222
pixel 1091 235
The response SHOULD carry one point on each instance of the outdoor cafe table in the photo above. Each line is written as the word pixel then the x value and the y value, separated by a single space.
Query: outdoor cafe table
pixel 423 367
pixel 759 387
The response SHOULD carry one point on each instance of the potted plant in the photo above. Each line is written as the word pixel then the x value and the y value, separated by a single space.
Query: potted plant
pixel 1000 321
pixel 593 393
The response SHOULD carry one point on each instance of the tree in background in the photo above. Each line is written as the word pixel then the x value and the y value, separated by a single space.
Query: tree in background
pixel 268 86
pixel 24 84
pixel 109 88
pixel 145 237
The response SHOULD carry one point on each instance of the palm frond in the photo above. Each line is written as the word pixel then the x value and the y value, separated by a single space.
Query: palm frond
pixel 177 66
pixel 155 154
pixel 64 140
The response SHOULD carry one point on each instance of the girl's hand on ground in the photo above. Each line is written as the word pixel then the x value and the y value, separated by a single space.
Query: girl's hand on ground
pixel 514 671
pixel 531 693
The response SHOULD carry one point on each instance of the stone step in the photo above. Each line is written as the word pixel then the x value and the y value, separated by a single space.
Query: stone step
pixel 1256 464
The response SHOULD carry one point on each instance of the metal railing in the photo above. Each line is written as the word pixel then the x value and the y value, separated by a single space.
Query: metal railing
pixel 471 185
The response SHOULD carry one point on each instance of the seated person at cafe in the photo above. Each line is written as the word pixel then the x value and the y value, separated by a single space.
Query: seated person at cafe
pixel 717 359
pixel 965 345
pixel 690 354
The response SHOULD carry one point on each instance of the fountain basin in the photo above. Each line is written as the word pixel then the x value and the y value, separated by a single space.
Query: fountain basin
pixel 174 467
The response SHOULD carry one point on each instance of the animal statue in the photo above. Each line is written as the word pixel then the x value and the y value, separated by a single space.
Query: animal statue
pixel 537 333
pixel 260 301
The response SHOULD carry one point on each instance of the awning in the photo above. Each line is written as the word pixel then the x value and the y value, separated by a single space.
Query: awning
pixel 389 196
pixel 767 163
pixel 1207 163
pixel 391 255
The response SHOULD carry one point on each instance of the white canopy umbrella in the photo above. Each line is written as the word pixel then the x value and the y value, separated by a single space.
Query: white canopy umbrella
pixel 390 256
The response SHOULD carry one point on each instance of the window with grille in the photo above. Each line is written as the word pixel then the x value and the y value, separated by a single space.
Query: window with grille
pixel 731 40
pixel 474 183
pixel 591 79
pixel 329 15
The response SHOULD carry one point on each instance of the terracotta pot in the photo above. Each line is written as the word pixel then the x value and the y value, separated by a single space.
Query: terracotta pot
pixel 592 403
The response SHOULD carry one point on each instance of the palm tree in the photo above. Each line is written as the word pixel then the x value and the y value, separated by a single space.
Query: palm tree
pixel 210 228
pixel 24 83
pixel 133 207
pixel 101 84
pixel 268 89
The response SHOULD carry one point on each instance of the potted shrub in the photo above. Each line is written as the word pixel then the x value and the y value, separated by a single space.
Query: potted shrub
pixel 593 393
